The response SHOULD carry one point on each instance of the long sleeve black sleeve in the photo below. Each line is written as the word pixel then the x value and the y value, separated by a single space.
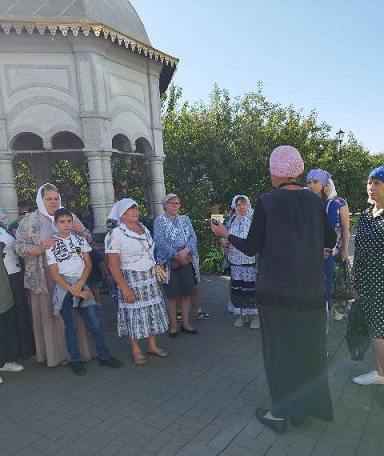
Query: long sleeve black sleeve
pixel 330 236
pixel 255 239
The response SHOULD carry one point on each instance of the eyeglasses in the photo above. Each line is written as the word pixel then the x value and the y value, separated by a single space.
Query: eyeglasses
pixel 174 204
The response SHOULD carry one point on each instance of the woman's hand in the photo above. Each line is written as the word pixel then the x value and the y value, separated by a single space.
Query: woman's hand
pixel 181 256
pixel 344 254
pixel 224 243
pixel 128 294
pixel 47 244
pixel 219 230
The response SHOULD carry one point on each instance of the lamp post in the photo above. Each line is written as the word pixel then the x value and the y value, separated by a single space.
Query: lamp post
pixel 340 137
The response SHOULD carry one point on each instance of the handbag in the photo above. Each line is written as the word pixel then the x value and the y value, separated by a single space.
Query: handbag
pixel 160 271
pixel 357 332
pixel 343 283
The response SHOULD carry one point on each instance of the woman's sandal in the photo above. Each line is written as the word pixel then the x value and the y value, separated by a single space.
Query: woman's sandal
pixel 140 360
pixel 160 353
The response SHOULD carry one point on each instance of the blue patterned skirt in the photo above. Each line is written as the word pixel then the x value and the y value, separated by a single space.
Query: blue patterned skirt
pixel 147 315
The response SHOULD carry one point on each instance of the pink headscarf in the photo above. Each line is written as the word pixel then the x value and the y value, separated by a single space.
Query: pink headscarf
pixel 286 161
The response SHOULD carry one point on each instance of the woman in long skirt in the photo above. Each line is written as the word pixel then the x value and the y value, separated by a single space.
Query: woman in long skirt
pixel 33 237
pixel 290 230
pixel 243 267
pixel 130 254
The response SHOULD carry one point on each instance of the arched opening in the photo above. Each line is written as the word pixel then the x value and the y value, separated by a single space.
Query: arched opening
pixel 143 146
pixel 72 180
pixel 27 141
pixel 121 143
pixel 66 140
pixel 25 183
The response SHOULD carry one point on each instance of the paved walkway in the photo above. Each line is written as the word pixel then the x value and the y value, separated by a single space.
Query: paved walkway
pixel 200 401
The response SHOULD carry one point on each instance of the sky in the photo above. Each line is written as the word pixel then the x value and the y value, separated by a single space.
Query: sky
pixel 326 55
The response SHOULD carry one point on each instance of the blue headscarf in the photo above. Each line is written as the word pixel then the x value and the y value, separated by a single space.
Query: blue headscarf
pixel 319 174
pixel 377 173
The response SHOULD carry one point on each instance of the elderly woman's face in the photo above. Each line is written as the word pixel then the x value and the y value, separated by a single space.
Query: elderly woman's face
pixel 242 207
pixel 172 207
pixel 375 189
pixel 315 186
pixel 131 215
pixel 51 201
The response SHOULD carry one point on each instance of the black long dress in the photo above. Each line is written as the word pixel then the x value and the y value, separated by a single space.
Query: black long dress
pixel 289 230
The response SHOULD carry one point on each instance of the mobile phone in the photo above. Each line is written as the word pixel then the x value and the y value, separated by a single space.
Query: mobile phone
pixel 214 221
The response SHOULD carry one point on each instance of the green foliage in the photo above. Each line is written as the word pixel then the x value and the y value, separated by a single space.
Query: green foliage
pixel 130 180
pixel 221 148
pixel 73 183
pixel 212 259
pixel 25 183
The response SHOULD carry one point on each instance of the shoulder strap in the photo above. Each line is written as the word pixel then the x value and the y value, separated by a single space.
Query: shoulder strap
pixel 327 206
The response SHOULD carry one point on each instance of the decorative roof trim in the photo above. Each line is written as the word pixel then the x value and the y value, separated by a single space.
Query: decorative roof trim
pixel 99 30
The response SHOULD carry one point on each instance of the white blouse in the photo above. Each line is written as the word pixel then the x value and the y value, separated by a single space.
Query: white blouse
pixel 11 260
pixel 240 228
pixel 136 250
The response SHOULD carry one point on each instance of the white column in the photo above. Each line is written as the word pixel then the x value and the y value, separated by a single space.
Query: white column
pixel 98 198
pixel 8 195
pixel 108 181
pixel 156 182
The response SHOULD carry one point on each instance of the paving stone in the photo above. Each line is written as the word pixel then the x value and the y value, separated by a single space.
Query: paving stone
pixel 278 452
pixel 85 446
pixel 173 446
pixel 195 449
pixel 236 450
pixel 129 450
pixel 206 434
pixel 181 430
pixel 46 446
pixel 222 439
pixel 114 425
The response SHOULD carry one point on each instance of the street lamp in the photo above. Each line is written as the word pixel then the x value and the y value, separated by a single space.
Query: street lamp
pixel 340 137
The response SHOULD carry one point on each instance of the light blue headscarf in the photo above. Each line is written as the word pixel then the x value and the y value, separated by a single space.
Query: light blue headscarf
pixel 319 174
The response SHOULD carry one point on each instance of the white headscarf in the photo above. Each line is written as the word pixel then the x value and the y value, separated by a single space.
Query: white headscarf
pixel 120 207
pixel 235 198
pixel 40 203
pixel 333 192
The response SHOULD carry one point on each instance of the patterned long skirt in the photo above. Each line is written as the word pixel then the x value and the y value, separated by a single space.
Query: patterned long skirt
pixel 243 279
pixel 147 315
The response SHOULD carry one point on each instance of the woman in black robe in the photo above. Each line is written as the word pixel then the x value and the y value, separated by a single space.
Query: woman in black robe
pixel 290 230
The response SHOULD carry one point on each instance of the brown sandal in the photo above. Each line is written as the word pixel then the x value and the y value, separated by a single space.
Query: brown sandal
pixel 161 353
pixel 140 360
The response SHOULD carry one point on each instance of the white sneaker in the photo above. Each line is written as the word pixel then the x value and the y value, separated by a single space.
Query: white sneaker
pixel 239 323
pixel 337 315
pixel 230 306
pixel 372 378
pixel 1 380
pixel 11 367
pixel 255 324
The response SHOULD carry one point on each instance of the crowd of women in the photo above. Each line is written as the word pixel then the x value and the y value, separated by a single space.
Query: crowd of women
pixel 281 256
pixel 46 329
